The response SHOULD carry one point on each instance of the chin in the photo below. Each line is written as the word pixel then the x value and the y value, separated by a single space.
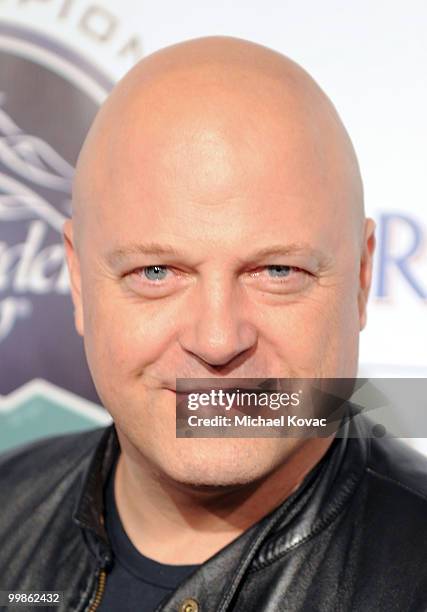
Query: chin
pixel 200 480
pixel 213 463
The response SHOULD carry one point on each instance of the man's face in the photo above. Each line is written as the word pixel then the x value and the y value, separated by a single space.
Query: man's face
pixel 175 278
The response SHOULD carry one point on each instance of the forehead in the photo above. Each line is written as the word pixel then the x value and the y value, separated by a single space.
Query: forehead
pixel 215 153
pixel 207 158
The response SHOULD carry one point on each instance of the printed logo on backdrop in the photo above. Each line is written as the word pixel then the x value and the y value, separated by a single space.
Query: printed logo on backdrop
pixel 49 95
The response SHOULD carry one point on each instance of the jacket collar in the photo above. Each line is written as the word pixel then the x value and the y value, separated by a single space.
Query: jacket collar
pixel 89 509
pixel 322 494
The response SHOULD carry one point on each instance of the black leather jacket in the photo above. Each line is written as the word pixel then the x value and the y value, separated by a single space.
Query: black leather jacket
pixel 351 538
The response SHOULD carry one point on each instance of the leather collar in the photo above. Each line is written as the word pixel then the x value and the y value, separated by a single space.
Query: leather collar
pixel 322 494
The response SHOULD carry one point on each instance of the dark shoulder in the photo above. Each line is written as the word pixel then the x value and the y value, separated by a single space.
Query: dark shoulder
pixel 395 464
pixel 46 461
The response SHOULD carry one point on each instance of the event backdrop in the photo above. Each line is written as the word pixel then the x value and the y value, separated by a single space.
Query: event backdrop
pixel 58 61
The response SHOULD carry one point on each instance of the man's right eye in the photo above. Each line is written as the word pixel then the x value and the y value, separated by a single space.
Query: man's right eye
pixel 153 281
pixel 154 273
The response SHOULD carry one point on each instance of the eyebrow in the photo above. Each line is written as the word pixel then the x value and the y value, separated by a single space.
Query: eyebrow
pixel 154 248
pixel 295 248
pixel 151 248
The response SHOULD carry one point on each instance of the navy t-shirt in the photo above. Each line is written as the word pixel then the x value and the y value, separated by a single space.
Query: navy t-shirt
pixel 135 581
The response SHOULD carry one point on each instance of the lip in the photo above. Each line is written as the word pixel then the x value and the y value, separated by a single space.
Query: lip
pixel 248 384
pixel 208 391
pixel 210 409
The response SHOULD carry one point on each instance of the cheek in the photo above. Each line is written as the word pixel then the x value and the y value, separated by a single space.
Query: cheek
pixel 316 335
pixel 123 336
pixel 338 335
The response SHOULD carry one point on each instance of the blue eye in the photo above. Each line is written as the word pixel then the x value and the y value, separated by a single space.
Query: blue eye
pixel 155 273
pixel 279 271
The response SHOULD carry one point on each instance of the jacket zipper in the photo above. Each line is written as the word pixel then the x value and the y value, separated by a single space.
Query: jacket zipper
pixel 102 578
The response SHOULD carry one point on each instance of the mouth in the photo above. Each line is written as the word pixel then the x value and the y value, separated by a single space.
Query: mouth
pixel 238 396
pixel 234 401
pixel 254 385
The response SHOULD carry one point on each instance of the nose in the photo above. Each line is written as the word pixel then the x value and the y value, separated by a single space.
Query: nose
pixel 217 328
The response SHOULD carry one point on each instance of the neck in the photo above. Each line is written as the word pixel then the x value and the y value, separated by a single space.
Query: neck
pixel 177 523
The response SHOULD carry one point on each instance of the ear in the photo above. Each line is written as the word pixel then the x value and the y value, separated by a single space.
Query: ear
pixel 73 265
pixel 365 275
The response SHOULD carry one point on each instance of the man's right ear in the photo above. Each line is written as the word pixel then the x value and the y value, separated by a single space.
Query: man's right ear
pixel 73 265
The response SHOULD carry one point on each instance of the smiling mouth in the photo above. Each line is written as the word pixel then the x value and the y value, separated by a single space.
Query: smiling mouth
pixel 231 403
pixel 226 390
pixel 229 392
pixel 249 385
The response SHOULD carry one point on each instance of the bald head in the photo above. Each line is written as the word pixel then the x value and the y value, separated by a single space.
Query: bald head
pixel 210 103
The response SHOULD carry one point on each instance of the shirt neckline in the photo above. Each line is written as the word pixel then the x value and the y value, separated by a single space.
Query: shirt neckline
pixel 140 566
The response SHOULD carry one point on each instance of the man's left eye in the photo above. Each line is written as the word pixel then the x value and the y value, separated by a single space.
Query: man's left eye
pixel 280 271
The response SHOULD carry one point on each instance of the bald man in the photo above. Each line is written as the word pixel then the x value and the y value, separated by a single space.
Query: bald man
pixel 218 231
